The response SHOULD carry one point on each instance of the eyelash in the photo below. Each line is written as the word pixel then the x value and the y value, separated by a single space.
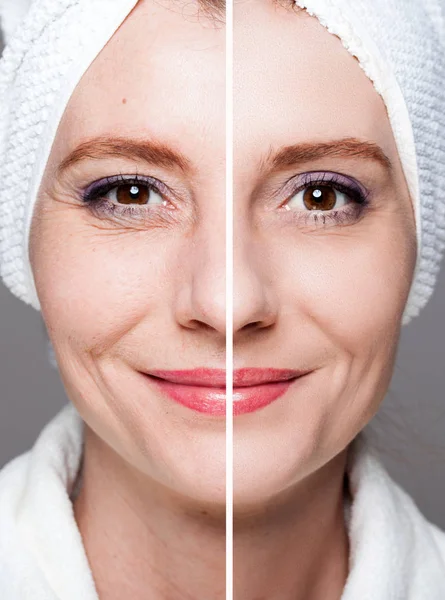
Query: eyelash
pixel 93 196
pixel 351 213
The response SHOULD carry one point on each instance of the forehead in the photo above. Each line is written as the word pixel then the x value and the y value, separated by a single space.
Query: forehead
pixel 295 82
pixel 161 76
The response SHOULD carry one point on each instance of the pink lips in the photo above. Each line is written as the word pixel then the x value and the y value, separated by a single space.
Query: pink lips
pixel 204 390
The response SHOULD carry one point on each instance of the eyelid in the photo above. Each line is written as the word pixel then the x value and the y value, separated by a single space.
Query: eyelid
pixel 344 183
pixel 97 189
pixel 349 214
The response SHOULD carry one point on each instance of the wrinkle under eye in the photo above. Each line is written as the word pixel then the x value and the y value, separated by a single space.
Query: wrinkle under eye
pixel 128 199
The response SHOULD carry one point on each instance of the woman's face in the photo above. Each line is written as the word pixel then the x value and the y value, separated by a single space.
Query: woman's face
pixel 127 289
pixel 319 290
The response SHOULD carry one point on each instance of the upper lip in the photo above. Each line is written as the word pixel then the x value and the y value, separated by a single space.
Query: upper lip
pixel 216 378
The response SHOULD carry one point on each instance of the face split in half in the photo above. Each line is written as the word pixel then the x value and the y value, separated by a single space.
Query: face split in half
pixel 128 249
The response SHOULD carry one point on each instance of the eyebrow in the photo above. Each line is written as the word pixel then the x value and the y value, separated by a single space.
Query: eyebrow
pixel 152 152
pixel 290 156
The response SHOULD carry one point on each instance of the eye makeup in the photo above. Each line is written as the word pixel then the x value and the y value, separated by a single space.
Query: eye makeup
pixel 127 196
pixel 323 191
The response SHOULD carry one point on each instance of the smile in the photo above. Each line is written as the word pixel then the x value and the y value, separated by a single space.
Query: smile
pixel 204 390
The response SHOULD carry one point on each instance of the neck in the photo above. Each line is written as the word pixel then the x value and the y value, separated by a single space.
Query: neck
pixel 142 541
pixel 297 547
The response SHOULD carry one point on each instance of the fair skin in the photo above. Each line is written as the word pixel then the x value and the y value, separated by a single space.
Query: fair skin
pixel 325 297
pixel 124 292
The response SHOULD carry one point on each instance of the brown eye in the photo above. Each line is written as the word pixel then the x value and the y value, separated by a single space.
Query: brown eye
pixel 135 193
pixel 319 197
pixel 132 194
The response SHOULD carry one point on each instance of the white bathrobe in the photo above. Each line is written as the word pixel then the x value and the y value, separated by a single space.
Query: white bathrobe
pixel 395 553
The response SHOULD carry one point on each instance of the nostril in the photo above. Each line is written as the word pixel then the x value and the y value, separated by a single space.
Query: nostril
pixel 196 324
pixel 253 325
pixel 263 324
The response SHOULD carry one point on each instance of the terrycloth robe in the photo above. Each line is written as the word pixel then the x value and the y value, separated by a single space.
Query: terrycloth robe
pixel 395 553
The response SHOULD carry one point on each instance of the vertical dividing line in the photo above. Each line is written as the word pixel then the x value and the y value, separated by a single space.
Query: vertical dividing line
pixel 229 300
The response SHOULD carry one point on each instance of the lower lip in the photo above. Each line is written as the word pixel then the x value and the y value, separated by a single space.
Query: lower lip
pixel 212 401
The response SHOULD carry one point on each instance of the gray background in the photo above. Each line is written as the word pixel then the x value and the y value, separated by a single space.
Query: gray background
pixel 409 428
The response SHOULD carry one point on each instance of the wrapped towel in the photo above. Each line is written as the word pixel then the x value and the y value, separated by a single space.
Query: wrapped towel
pixel 50 45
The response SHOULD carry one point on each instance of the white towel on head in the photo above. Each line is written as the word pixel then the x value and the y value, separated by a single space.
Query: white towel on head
pixel 400 44
pixel 50 45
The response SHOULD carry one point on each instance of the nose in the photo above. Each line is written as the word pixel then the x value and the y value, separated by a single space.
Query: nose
pixel 253 300
pixel 201 299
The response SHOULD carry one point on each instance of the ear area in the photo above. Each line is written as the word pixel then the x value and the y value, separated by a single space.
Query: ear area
pixel 12 13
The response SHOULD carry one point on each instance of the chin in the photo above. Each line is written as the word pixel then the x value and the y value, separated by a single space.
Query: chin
pixel 190 466
pixel 270 462
pixel 201 488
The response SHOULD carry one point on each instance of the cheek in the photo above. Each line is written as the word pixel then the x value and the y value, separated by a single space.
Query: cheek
pixel 351 285
pixel 358 289
pixel 95 285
